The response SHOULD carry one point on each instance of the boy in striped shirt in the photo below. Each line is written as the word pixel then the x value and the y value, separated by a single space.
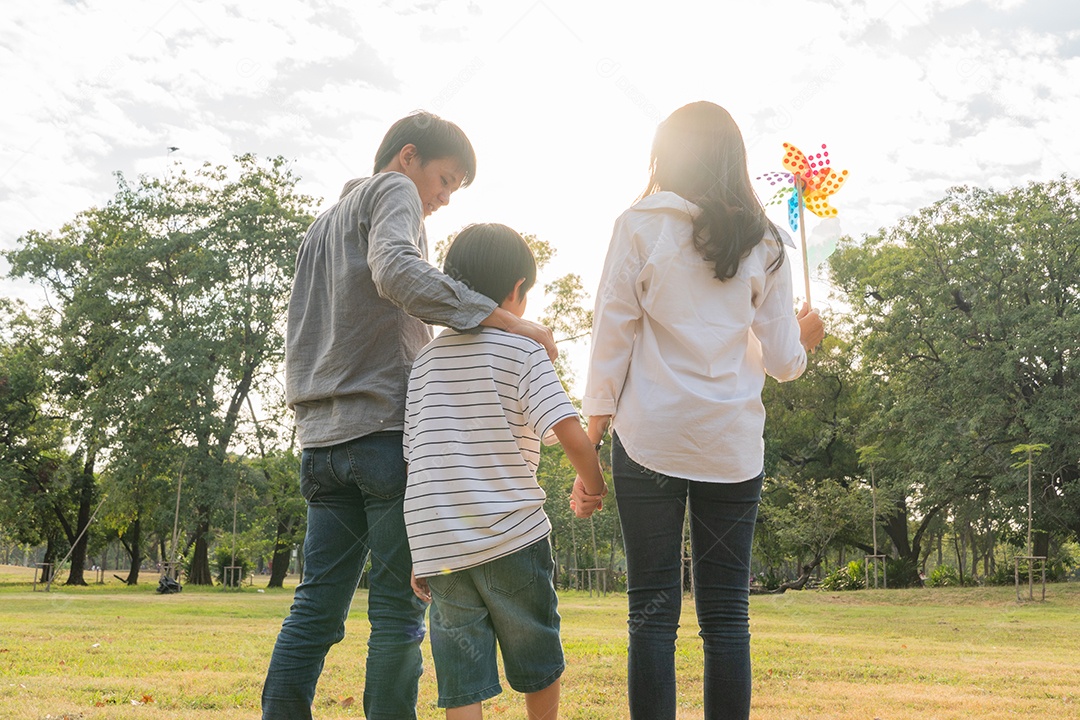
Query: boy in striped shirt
pixel 479 403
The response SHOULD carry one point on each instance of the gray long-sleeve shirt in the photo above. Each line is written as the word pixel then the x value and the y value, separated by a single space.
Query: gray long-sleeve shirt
pixel 363 293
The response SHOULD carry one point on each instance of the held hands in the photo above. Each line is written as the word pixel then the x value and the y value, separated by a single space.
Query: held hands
pixel 420 588
pixel 811 329
pixel 582 502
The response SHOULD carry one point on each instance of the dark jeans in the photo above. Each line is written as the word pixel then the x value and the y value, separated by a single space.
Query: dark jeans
pixel 722 515
pixel 354 493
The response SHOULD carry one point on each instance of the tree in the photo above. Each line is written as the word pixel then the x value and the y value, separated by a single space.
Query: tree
pixel 172 298
pixel 137 483
pixel 282 512
pixel 813 499
pixel 56 482
pixel 33 487
pixel 967 316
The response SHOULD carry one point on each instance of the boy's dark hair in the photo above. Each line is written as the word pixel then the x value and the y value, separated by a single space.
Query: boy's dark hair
pixel 490 258
pixel 433 137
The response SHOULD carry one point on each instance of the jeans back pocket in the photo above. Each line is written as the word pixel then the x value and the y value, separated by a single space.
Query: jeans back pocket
pixel 309 483
pixel 513 573
pixel 378 464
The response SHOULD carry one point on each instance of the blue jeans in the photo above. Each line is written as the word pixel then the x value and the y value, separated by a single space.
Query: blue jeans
pixel 722 516
pixel 354 493
pixel 511 600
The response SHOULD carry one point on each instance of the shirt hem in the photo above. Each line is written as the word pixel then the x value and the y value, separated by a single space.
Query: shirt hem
pixel 332 441
pixel 533 541
pixel 633 453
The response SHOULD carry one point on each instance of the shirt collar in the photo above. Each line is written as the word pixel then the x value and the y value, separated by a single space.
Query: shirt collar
pixel 669 201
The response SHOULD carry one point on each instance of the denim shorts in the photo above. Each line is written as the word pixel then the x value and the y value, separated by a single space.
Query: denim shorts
pixel 510 600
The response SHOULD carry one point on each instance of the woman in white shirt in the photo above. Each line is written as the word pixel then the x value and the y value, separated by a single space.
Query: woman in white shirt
pixel 695 307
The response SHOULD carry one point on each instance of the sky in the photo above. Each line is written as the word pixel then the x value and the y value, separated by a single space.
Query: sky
pixel 560 98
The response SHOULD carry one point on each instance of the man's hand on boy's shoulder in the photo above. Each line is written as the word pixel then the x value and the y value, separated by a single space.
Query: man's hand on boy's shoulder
pixel 511 323
pixel 537 332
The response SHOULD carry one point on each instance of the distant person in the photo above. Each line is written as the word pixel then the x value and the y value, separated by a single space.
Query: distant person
pixel 479 404
pixel 363 293
pixel 695 306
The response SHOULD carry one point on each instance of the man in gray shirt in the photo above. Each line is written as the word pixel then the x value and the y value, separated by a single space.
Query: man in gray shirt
pixel 362 298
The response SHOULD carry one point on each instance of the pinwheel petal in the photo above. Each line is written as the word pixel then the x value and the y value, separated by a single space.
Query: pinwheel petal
pixel 795 161
pixel 793 210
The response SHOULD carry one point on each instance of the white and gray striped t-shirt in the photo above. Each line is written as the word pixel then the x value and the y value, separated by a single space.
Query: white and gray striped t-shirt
pixel 477 407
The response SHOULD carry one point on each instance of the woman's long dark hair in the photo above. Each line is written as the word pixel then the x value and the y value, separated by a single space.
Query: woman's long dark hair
pixel 699 155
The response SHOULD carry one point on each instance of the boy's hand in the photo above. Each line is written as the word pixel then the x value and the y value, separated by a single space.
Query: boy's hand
pixel 584 504
pixel 420 588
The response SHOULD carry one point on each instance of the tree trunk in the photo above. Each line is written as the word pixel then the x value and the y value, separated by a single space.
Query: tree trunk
pixel 958 544
pixel 49 560
pixel 1040 543
pixel 199 568
pixel 925 558
pixel 896 527
pixel 135 550
pixel 797 584
pixel 86 499
pixel 282 555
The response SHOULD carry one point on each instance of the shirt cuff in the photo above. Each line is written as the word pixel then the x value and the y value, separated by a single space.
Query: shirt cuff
pixel 597 406
pixel 470 317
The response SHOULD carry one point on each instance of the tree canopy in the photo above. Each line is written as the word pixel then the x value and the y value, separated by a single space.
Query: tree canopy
pixel 169 306
pixel 967 319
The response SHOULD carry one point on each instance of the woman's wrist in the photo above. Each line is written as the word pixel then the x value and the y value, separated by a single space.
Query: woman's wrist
pixel 598 487
pixel 597 428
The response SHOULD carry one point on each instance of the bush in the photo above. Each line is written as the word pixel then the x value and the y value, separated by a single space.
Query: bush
pixel 769 579
pixel 943 576
pixel 1005 573
pixel 223 558
pixel 1002 575
pixel 847 577
pixel 902 574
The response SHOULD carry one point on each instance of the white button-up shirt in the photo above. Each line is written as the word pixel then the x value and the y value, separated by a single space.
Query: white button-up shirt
pixel 678 357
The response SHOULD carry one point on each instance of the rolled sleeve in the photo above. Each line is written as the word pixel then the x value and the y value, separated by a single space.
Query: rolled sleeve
pixel 402 274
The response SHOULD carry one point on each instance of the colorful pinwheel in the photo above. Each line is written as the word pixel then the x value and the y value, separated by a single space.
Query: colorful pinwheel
pixel 809 180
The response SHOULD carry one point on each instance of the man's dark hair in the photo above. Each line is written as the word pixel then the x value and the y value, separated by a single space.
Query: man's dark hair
pixel 434 139
pixel 490 258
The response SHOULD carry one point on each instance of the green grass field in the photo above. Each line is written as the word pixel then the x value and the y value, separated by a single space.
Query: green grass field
pixel 110 651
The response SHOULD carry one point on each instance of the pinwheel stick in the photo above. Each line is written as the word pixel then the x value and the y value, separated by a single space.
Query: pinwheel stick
pixel 800 187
